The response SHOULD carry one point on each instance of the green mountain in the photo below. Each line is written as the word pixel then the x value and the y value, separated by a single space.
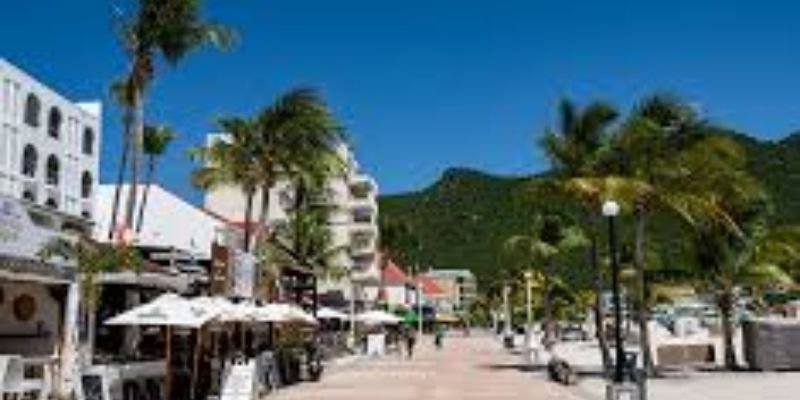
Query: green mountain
pixel 463 219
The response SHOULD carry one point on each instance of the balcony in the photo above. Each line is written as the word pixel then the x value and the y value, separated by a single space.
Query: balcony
pixel 52 197
pixel 361 245
pixel 31 190
pixel 87 209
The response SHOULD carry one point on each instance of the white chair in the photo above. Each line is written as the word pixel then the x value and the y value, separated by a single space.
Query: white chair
pixel 15 386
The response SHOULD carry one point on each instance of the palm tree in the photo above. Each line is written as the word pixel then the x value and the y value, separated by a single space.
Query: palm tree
pixel 156 140
pixel 298 138
pixel 121 92
pixel 165 29
pixel 91 259
pixel 548 241
pixel 234 160
pixel 649 150
pixel 574 149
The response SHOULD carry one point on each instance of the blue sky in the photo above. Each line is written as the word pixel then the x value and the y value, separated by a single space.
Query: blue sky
pixel 424 85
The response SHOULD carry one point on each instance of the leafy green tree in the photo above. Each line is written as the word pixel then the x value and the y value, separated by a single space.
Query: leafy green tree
pixel 156 140
pixel 157 30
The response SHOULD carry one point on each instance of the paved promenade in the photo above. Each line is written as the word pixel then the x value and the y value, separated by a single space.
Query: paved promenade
pixel 467 368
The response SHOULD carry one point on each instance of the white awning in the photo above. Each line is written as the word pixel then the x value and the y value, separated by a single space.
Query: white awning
pixel 378 317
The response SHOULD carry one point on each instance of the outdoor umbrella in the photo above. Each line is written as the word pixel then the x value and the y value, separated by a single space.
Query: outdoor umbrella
pixel 168 310
pixel 329 313
pixel 378 317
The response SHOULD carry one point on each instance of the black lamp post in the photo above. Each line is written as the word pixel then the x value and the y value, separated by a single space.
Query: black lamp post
pixel 611 211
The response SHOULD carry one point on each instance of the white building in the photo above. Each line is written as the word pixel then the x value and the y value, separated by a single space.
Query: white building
pixel 354 220
pixel 49 149
pixel 48 145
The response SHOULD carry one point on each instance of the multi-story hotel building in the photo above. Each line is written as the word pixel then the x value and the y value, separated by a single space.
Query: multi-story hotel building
pixel 48 146
pixel 353 221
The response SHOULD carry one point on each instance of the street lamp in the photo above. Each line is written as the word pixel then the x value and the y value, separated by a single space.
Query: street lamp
pixel 611 211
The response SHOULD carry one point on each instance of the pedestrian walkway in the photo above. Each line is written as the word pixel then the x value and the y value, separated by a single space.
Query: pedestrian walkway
pixel 467 368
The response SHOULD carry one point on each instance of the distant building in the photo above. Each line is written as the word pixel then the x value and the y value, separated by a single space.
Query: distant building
pixel 459 288
pixel 353 221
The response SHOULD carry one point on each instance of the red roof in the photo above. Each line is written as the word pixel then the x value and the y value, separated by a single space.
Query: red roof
pixel 392 274
pixel 429 286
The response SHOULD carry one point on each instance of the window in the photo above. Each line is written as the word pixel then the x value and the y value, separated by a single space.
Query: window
pixel 88 141
pixel 30 159
pixel 53 170
pixel 54 123
pixel 86 185
pixel 32 109
pixel 52 203
pixel 29 196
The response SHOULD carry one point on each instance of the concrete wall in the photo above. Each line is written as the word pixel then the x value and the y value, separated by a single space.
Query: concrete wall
pixel 49 315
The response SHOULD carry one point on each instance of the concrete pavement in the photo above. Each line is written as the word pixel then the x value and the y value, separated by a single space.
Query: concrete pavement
pixel 467 368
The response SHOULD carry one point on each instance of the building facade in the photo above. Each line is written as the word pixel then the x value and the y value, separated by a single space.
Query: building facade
pixel 353 221
pixel 459 288
pixel 48 145
pixel 49 153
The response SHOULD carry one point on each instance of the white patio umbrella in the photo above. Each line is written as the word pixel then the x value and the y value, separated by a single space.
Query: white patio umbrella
pixel 329 313
pixel 378 317
pixel 168 310
pixel 165 310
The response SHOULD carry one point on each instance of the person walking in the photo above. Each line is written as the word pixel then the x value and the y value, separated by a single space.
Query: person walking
pixel 411 340
pixel 439 337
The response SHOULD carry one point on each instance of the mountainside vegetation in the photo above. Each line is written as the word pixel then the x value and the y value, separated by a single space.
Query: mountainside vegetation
pixel 463 219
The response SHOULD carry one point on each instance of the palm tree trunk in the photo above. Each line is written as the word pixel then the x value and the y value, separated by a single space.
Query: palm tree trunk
pixel 151 170
pixel 725 304
pixel 594 262
pixel 549 328
pixel 123 166
pixel 248 217
pixel 136 151
pixel 641 287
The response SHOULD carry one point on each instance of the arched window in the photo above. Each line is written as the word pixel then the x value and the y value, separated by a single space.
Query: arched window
pixel 88 141
pixel 54 123
pixel 51 202
pixel 86 185
pixel 32 109
pixel 53 170
pixel 30 160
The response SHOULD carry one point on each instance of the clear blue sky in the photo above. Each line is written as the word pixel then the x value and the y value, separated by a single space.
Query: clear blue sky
pixel 424 85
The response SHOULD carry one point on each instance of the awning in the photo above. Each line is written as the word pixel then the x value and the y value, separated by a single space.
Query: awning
pixel 378 317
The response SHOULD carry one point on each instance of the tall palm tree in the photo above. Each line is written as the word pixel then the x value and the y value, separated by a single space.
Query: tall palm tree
pixel 156 140
pixel 158 30
pixel 574 148
pixel 548 241
pixel 234 160
pixel 121 92
pixel 298 138
pixel 650 148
